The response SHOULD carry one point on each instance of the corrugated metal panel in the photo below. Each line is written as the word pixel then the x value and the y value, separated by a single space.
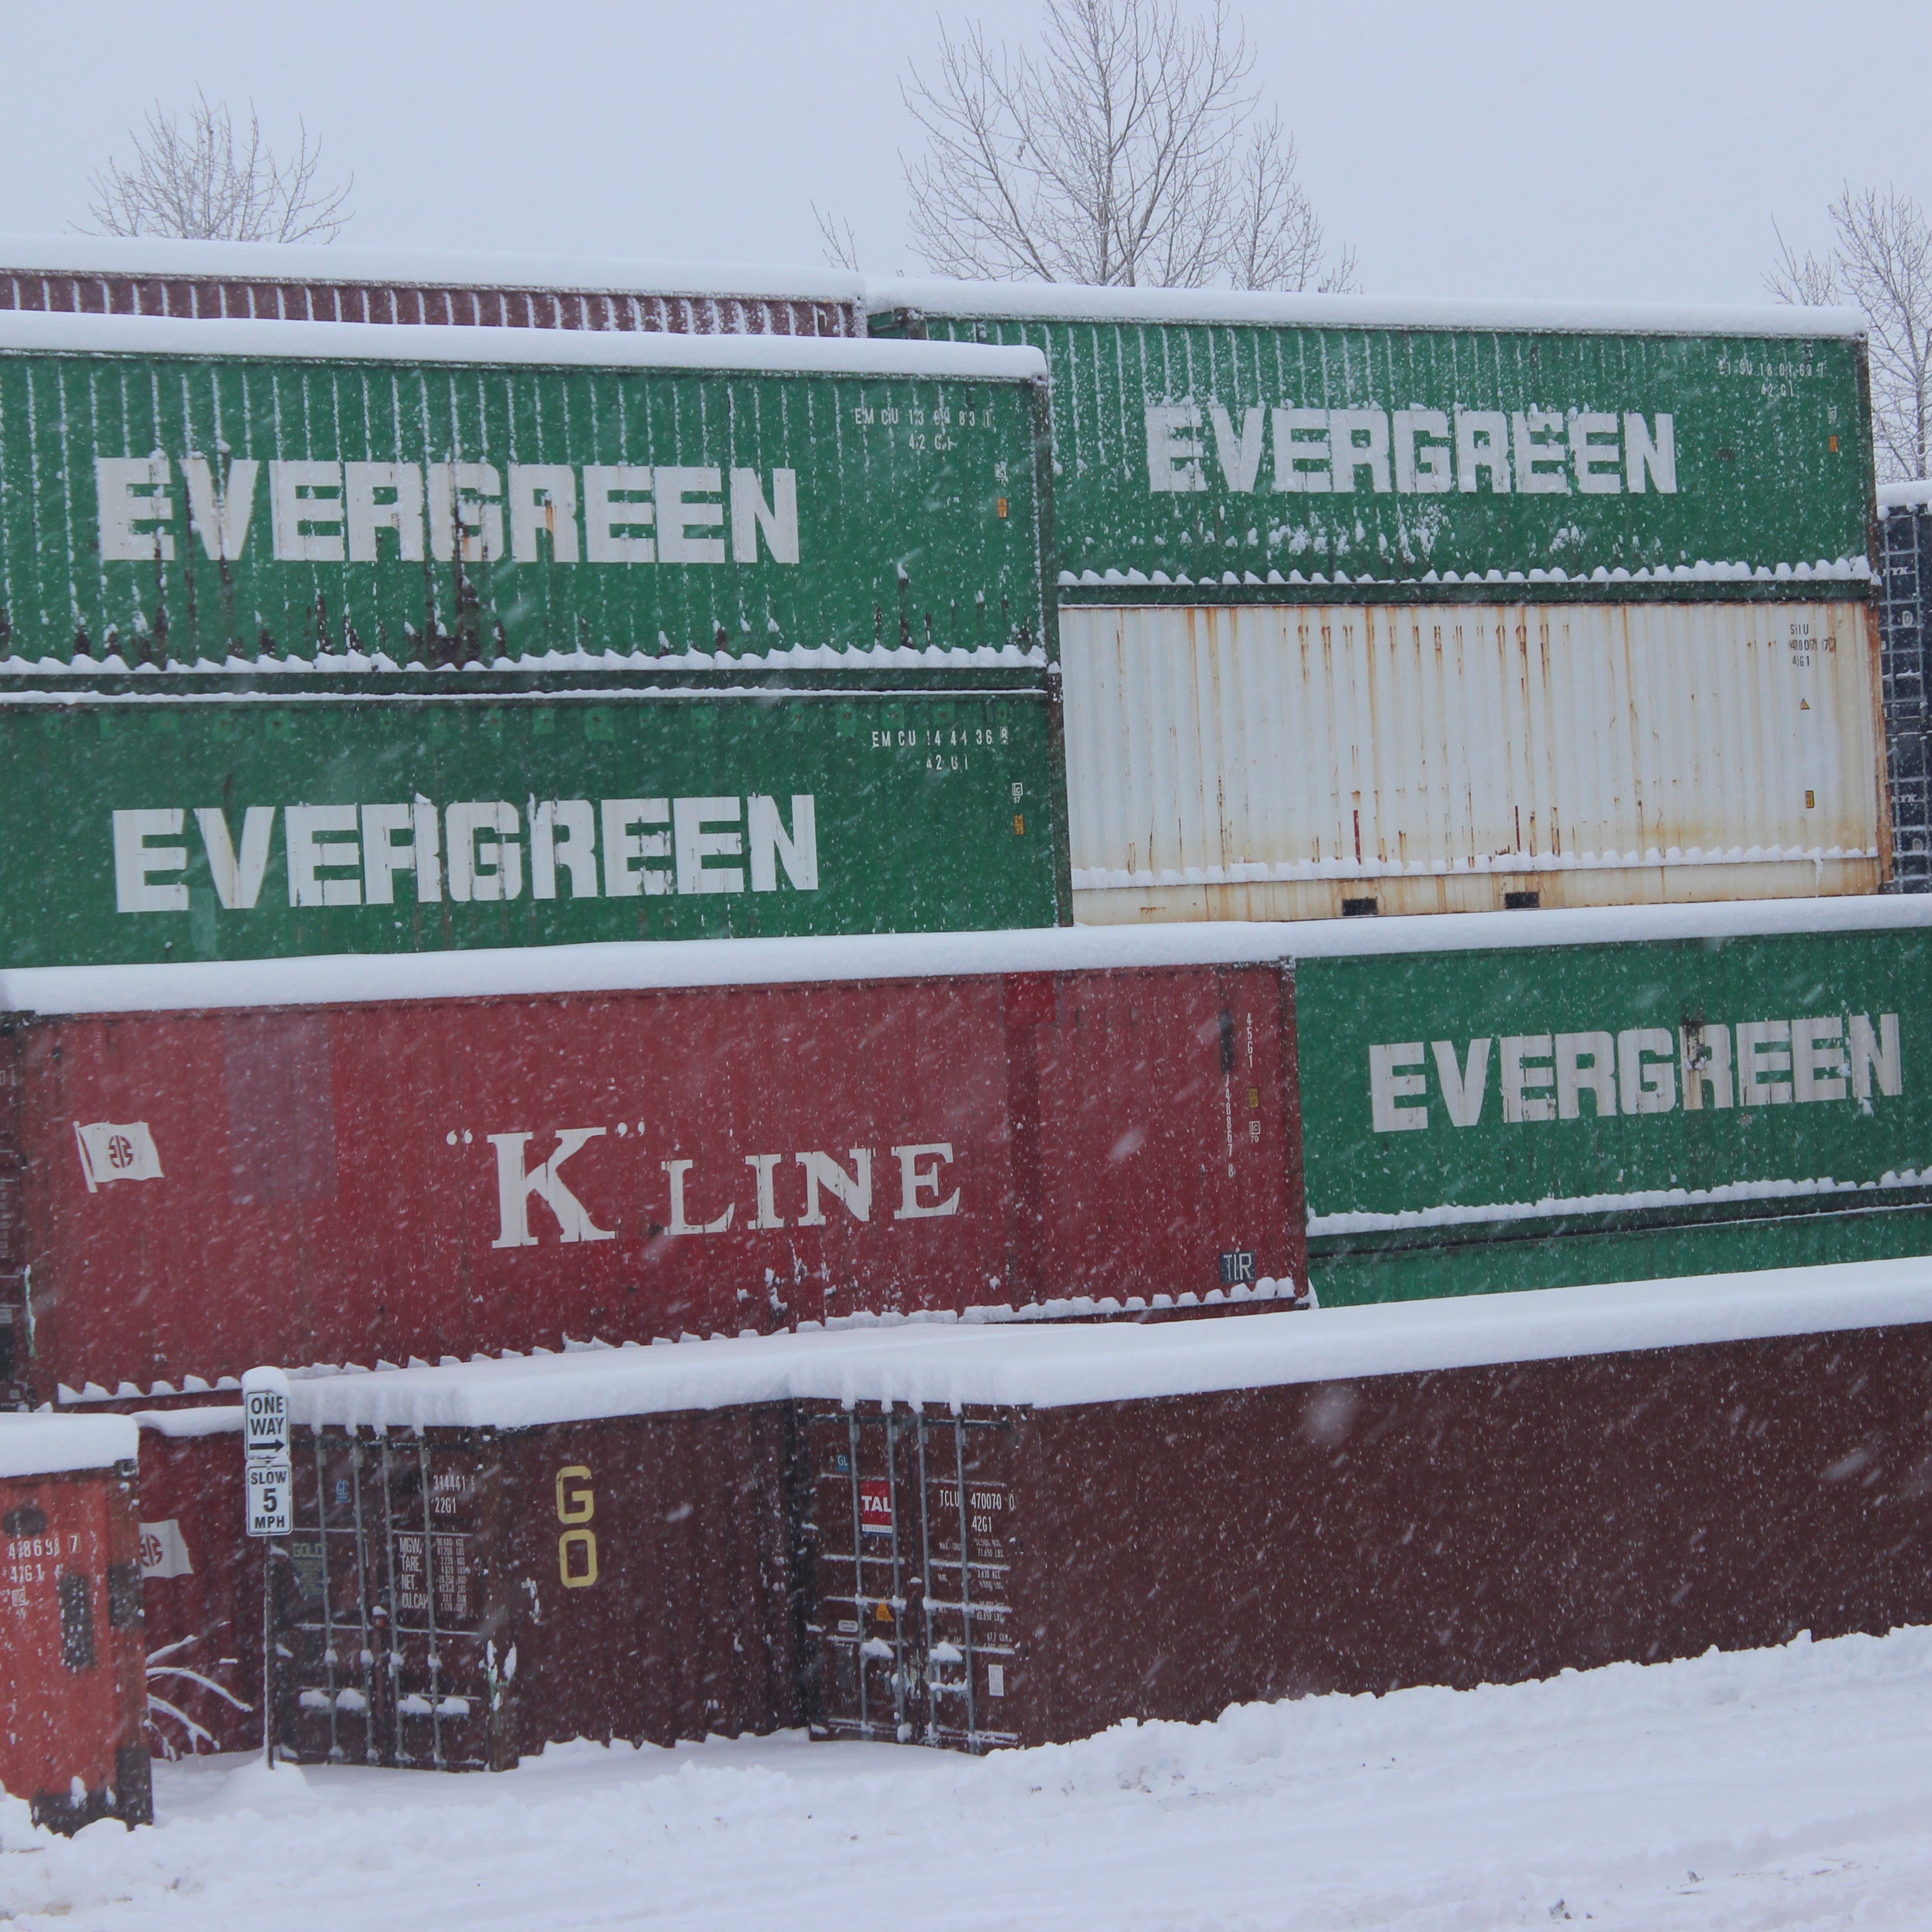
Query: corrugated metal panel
pixel 350 296
pixel 1161 1560
pixel 1482 1121
pixel 211 826
pixel 71 1663
pixel 1219 453
pixel 375 513
pixel 1278 761
pixel 436 1177
pixel 1905 620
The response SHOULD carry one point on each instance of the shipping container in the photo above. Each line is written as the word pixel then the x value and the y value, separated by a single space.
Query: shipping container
pixel 360 499
pixel 1526 1099
pixel 1291 761
pixel 455 1599
pixel 69 274
pixel 1905 623
pixel 254 826
pixel 201 1580
pixel 1203 439
pixel 1322 1504
pixel 71 1690
pixel 387 1178
pixel 1013 1536
pixel 456 599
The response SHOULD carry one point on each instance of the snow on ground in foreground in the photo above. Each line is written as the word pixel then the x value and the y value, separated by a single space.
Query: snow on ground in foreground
pixel 1786 1788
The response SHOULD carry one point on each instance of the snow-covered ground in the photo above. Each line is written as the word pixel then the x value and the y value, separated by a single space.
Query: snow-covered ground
pixel 1775 1788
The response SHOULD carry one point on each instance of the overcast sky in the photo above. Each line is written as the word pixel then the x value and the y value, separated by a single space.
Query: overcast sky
pixel 1628 148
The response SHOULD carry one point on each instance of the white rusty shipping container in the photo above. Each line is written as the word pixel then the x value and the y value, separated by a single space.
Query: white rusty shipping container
pixel 1291 762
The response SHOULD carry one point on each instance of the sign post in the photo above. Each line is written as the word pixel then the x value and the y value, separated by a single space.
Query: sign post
pixel 269 1481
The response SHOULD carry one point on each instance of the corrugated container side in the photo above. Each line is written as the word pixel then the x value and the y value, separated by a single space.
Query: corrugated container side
pixel 370 509
pixel 1160 1560
pixel 60 291
pixel 1483 1120
pixel 1267 762
pixel 459 1599
pixel 212 1190
pixel 1274 461
pixel 245 827
pixel 201 1596
pixel 71 1690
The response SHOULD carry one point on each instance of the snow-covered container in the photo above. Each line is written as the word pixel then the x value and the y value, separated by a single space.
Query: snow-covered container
pixel 1370 606
pixel 1018 1539
pixel 70 274
pixel 454 1599
pixel 1525 1100
pixel 72 1693
pixel 308 1164
pixel 1020 1534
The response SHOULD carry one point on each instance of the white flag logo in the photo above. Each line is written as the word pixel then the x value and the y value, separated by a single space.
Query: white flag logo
pixel 164 1550
pixel 110 1151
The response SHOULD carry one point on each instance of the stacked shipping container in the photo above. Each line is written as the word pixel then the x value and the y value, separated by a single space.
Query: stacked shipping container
pixel 1370 607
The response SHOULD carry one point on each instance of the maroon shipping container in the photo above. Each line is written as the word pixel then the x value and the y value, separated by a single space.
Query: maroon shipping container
pixel 1023 1575
pixel 71 1638
pixel 455 1599
pixel 201 1586
pixel 70 276
pixel 435 1177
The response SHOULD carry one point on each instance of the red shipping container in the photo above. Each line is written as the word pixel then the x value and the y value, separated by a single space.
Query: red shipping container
pixel 207 1190
pixel 71 1692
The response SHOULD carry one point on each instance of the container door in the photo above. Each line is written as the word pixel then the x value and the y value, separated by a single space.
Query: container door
pixel 388 1655
pixel 970 1677
pixel 864 1531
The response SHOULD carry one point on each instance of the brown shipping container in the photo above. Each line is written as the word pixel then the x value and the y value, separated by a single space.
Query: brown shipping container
pixel 207 1190
pixel 201 1585
pixel 71 1687
pixel 69 275
pixel 1163 1558
pixel 455 1599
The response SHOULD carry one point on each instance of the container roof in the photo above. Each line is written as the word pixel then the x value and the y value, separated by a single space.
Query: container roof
pixel 653 964
pixel 51 1445
pixel 1067 301
pixel 22 329
pixel 942 1366
pixel 163 257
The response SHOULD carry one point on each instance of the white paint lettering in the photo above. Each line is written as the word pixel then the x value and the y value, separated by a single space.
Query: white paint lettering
pixel 1876 1053
pixel 1527 1078
pixel 563 832
pixel 516 1184
pixel 132 506
pixel 618 514
pixel 1463 1087
pixel 1174 455
pixel 1764 1052
pixel 683 494
pixel 321 837
pixel 306 510
pixel 383 857
pixel 237 876
pixel 486 862
pixel 915 1180
pixel 752 518
pixel 1647 1070
pixel 1599 464
pixel 1482 444
pixel 690 818
pixel 771 847
pixel 1423 469
pixel 543 503
pixel 1650 457
pixel 1240 455
pixel 383 496
pixel 853 1189
pixel 627 852
pixel 679 1224
pixel 465 513
pixel 1359 439
pixel 137 863
pixel 1302 453
pixel 1389 1087
pixel 1542 462
pixel 220 514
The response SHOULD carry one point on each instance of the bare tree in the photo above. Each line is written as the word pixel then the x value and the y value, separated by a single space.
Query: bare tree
pixel 1128 149
pixel 210 181
pixel 1880 260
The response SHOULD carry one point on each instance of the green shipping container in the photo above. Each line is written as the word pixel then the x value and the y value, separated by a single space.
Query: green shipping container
pixel 219 492
pixel 247 826
pixel 1211 446
pixel 1538 1116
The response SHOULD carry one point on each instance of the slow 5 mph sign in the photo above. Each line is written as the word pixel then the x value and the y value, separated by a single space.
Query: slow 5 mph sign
pixel 269 1478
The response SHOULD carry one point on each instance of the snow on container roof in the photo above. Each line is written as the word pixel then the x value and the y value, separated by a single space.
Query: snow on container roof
pixel 1916 495
pixel 435 342
pixel 52 1445
pixel 1063 301
pixel 646 964
pixel 1058 1366
pixel 267 261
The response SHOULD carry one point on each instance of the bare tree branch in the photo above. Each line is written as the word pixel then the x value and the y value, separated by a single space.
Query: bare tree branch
pixel 1127 149
pixel 1880 261
pixel 840 243
pixel 209 181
